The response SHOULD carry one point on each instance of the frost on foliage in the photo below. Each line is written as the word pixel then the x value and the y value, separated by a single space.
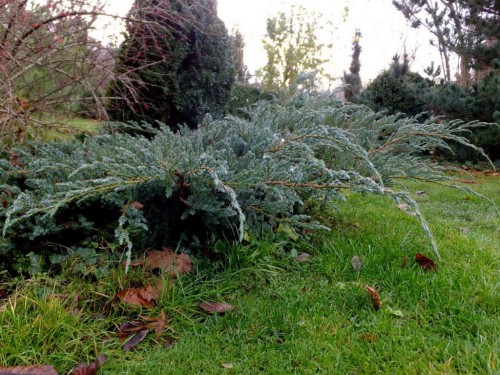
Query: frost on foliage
pixel 251 174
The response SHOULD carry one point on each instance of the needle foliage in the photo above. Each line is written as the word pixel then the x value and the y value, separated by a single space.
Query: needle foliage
pixel 233 178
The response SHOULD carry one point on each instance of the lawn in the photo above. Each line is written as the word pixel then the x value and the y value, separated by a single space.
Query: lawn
pixel 296 317
pixel 68 126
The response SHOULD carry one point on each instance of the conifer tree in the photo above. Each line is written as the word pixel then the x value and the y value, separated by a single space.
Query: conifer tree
pixel 468 28
pixel 397 90
pixel 178 56
pixel 353 79
pixel 238 49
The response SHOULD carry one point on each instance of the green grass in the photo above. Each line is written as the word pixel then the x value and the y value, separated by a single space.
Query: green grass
pixel 71 127
pixel 312 317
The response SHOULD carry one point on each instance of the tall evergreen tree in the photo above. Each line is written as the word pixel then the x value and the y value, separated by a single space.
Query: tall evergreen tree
pixel 240 69
pixel 352 80
pixel 178 57
pixel 468 28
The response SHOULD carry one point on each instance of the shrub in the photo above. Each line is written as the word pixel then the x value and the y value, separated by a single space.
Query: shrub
pixel 177 56
pixel 480 102
pixel 232 178
pixel 244 96
pixel 393 94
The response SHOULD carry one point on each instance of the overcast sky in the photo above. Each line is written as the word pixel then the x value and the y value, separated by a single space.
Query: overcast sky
pixel 384 31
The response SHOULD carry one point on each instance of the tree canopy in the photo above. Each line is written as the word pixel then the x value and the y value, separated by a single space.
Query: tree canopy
pixel 292 47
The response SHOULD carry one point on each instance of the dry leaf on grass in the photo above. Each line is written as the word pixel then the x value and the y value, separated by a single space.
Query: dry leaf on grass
pixel 138 329
pixel 227 365
pixel 157 324
pixel 426 263
pixel 168 262
pixel 403 206
pixel 356 263
pixel 136 339
pixel 144 296
pixel 374 296
pixel 89 368
pixel 28 370
pixel 216 307
pixel 302 257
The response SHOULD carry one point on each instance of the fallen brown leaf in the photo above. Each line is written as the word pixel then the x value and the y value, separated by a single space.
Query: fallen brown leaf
pixel 426 263
pixel 138 329
pixel 403 206
pixel 136 339
pixel 168 262
pixel 216 307
pixel 28 370
pixel 129 328
pixel 144 296
pixel 89 368
pixel 374 296
pixel 302 257
pixel 356 263
pixel 157 323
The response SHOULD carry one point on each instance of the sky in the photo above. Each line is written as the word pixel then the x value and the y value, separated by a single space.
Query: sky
pixel 384 31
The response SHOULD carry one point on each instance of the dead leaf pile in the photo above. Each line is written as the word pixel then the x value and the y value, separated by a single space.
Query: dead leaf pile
pixel 172 265
pixel 168 262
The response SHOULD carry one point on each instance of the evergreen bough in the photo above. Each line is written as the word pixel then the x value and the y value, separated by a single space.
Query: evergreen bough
pixel 235 177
